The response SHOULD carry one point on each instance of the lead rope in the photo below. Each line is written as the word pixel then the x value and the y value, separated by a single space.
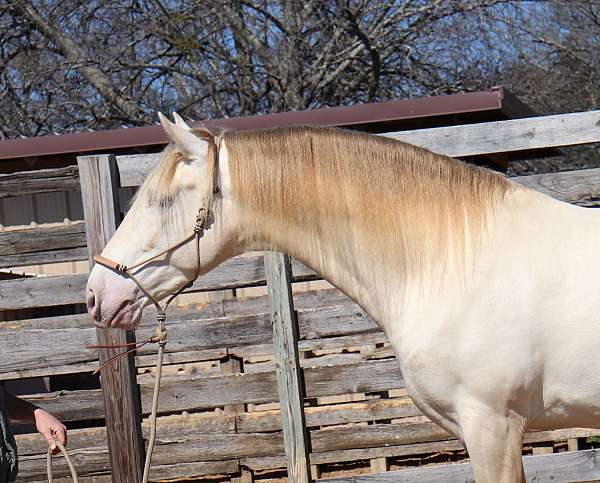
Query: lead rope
pixel 160 336
pixel 65 453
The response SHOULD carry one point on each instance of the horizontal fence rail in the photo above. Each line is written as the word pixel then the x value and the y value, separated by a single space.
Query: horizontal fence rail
pixel 46 348
pixel 40 181
pixel 507 136
pixel 234 439
pixel 32 246
pixel 578 187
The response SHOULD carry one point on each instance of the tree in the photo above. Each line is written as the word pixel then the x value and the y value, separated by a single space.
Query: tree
pixel 68 66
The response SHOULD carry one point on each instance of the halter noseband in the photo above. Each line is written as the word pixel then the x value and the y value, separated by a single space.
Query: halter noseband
pixel 201 218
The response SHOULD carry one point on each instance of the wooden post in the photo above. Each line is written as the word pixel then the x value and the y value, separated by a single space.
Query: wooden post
pixel 289 376
pixel 572 444
pixel 99 189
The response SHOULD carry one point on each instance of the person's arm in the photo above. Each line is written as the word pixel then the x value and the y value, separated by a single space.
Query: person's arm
pixel 46 424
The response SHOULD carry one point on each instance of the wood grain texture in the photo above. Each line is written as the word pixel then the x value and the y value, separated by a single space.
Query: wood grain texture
pixel 30 240
pixel 47 347
pixel 99 189
pixel 39 181
pixel 68 289
pixel 40 258
pixel 576 466
pixel 133 168
pixel 193 393
pixel 506 136
pixel 578 187
pixel 31 246
pixel 290 384
pixel 42 291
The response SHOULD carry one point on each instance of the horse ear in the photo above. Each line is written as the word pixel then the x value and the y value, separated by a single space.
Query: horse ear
pixel 187 142
pixel 180 122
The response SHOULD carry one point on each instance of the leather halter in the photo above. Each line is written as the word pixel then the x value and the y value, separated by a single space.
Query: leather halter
pixel 198 230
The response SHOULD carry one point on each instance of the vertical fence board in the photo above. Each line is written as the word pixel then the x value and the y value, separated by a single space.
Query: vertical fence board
pixel 99 189
pixel 289 376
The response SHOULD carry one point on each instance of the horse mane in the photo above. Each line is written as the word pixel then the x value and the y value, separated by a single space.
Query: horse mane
pixel 397 198
pixel 392 197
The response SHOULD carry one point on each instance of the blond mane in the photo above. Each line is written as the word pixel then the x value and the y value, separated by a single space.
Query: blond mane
pixel 392 198
pixel 403 203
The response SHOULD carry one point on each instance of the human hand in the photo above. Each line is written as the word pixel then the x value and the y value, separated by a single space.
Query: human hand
pixel 50 428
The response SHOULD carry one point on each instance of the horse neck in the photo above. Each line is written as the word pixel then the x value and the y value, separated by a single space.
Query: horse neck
pixel 380 234
pixel 342 247
pixel 320 247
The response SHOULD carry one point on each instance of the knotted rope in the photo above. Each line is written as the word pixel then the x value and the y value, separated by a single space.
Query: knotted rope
pixel 160 336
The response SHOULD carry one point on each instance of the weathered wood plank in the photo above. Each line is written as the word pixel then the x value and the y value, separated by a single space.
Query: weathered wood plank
pixel 39 181
pixel 198 393
pixel 457 141
pixel 578 187
pixel 317 416
pixel 571 466
pixel 230 307
pixel 39 239
pixel 207 392
pixel 45 348
pixel 287 365
pixel 133 168
pixel 42 291
pixel 506 136
pixel 99 189
pixel 31 246
pixel 39 258
pixel 375 435
pixel 68 289
pixel 180 470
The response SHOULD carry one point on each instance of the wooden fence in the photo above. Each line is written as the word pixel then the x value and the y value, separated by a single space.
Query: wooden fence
pixel 219 406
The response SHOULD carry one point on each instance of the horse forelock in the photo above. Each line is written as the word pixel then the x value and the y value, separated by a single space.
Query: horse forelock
pixel 160 188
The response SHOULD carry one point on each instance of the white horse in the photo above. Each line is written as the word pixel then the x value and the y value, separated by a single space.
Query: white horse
pixel 487 291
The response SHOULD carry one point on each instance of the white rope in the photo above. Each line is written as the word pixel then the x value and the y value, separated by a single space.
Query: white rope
pixel 161 351
pixel 65 453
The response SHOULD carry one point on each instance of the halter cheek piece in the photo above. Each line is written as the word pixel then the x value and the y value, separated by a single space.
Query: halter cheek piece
pixel 198 230
pixel 201 218
pixel 160 336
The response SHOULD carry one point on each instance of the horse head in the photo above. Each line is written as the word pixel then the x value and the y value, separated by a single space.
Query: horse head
pixel 173 231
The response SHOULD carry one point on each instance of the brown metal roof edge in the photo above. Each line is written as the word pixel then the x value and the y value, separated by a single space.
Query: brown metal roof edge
pixel 350 116
pixel 512 106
